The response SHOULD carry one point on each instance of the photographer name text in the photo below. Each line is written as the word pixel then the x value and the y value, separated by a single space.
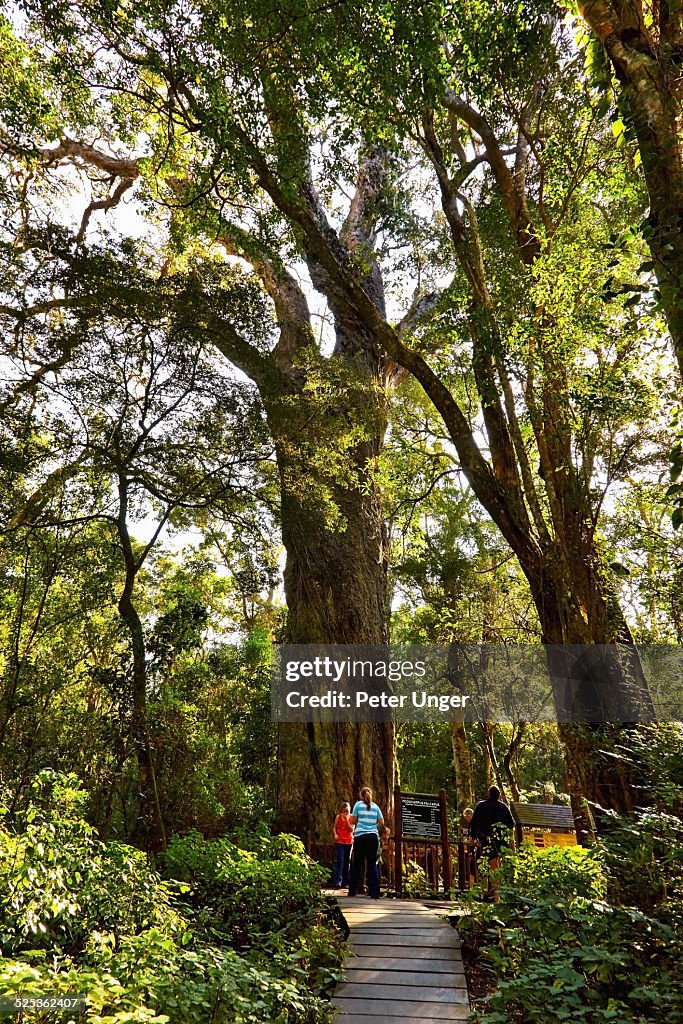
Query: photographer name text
pixel 360 699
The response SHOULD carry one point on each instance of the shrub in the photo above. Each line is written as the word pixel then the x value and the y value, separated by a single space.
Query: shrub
pixel 249 894
pixel 415 881
pixel 59 883
pixel 581 960
pixel 79 916
pixel 556 872
pixel 561 951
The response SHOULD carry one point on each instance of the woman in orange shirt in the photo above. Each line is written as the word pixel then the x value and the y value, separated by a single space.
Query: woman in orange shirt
pixel 343 838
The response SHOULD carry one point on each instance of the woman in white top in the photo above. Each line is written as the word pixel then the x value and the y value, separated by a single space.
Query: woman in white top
pixel 368 820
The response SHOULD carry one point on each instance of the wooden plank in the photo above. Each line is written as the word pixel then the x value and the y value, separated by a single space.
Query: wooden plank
pixel 398 964
pixel 401 923
pixel 378 1018
pixel 431 927
pixel 404 915
pixel 405 993
pixel 381 905
pixel 399 1008
pixel 385 909
pixel 447 939
pixel 405 920
pixel 384 924
pixel 385 901
pixel 387 927
pixel 391 976
pixel 383 951
pixel 432 940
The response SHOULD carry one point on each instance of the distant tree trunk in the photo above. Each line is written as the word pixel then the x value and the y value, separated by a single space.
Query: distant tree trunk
pixel 613 694
pixel 518 730
pixel 150 830
pixel 462 763
pixel 645 51
pixel 489 776
pixel 494 772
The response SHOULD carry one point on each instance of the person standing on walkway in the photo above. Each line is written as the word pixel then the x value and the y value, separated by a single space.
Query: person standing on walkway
pixel 343 841
pixel 368 820
pixel 471 847
pixel 489 826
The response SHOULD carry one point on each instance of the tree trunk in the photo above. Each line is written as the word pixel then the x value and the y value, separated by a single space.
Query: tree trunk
pixel 609 687
pixel 645 55
pixel 150 829
pixel 494 776
pixel 518 730
pixel 335 582
pixel 489 777
pixel 335 585
pixel 462 764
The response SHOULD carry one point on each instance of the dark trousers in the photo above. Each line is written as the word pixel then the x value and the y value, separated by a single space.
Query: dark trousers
pixel 365 849
pixel 342 855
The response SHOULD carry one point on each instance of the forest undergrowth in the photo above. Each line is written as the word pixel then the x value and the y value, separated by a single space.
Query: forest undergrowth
pixel 591 934
pixel 223 931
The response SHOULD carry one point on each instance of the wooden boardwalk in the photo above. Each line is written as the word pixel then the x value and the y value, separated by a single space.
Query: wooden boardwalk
pixel 404 965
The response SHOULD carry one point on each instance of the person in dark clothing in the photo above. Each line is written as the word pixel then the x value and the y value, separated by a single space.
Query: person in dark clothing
pixel 490 822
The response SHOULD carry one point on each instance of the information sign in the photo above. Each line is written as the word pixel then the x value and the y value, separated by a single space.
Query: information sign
pixel 421 817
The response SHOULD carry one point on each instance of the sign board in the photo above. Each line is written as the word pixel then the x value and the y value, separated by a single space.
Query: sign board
pixel 541 816
pixel 544 824
pixel 421 816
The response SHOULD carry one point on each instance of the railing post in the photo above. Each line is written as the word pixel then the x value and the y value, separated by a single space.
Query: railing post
pixel 445 845
pixel 463 865
pixel 398 842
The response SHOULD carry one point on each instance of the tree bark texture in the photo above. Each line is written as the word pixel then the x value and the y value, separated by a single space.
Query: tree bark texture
pixel 462 763
pixel 335 585
pixel 518 730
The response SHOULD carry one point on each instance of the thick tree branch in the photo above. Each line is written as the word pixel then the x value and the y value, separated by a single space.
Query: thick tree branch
pixel 513 197
pixel 358 233
pixel 260 367
pixel 484 328
pixel 109 203
pixel 37 501
pixel 291 305
pixel 82 153
pixel 332 257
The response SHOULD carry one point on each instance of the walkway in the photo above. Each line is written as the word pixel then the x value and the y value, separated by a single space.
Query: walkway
pixel 404 964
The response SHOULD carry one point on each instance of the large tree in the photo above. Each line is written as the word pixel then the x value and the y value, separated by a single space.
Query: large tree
pixel 325 409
